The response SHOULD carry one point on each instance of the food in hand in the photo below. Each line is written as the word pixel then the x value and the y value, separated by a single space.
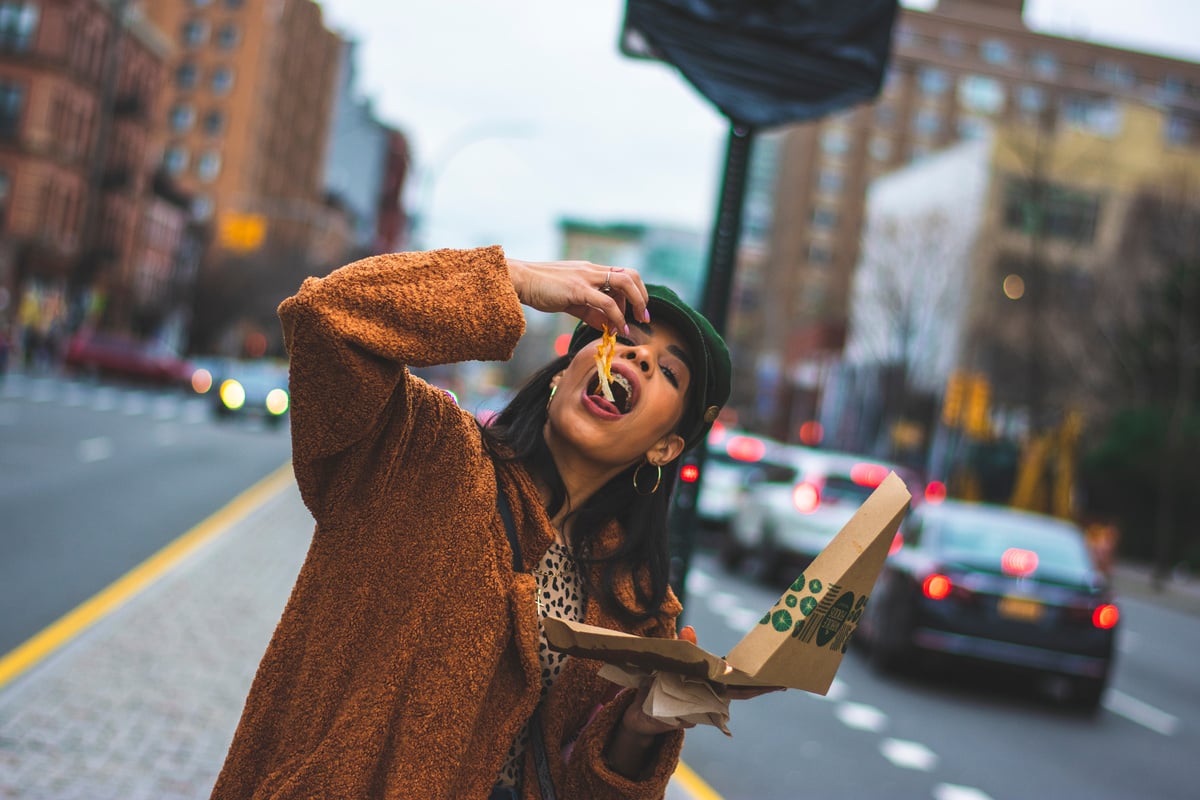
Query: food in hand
pixel 604 357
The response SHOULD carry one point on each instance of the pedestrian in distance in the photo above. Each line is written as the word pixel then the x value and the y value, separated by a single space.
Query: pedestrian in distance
pixel 410 661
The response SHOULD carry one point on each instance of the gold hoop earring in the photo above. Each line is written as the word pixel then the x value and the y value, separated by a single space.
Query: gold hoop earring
pixel 657 479
pixel 553 389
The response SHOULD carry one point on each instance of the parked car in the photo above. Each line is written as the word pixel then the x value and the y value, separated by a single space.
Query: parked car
pixel 992 584
pixel 252 388
pixel 733 459
pixel 120 356
pixel 796 504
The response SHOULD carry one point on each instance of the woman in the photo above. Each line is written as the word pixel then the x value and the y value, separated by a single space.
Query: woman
pixel 410 660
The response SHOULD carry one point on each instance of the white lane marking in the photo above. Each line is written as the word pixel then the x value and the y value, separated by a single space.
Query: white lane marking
pixel 165 407
pixel 1143 714
pixel 135 404
pixel 74 395
pixel 910 755
pixel 699 581
pixel 861 717
pixel 104 400
pixel 42 393
pixel 1127 641
pixel 950 791
pixel 97 449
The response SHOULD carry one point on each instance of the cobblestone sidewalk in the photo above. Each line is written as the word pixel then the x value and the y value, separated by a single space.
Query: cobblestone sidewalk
pixel 143 706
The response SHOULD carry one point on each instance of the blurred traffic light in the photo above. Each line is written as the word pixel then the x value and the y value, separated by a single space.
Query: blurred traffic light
pixel 952 401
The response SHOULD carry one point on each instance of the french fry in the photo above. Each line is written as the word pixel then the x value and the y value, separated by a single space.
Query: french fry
pixel 604 356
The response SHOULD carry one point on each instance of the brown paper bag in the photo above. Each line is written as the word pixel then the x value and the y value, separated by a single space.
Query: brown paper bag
pixel 800 641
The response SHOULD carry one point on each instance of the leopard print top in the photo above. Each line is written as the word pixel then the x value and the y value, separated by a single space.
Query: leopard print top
pixel 558 594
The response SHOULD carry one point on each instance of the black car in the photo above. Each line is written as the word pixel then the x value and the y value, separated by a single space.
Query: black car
pixel 992 584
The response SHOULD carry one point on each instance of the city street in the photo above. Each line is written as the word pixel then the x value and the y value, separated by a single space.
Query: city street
pixel 106 474
pixel 96 478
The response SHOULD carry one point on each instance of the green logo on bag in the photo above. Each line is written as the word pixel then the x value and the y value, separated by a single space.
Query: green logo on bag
pixel 798 584
pixel 790 601
pixel 808 605
pixel 781 620
pixel 834 619
pixel 814 585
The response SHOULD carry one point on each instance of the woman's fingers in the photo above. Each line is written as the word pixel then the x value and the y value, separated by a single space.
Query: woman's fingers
pixel 688 634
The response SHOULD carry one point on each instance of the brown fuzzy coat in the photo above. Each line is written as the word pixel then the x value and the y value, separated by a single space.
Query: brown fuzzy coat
pixel 406 660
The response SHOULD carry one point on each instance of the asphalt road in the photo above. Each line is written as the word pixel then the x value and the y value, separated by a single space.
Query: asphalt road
pixel 95 478
pixel 952 735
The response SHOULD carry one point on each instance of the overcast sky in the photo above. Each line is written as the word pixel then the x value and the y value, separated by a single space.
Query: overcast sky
pixel 520 112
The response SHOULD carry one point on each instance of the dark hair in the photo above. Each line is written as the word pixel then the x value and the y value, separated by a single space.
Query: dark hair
pixel 643 551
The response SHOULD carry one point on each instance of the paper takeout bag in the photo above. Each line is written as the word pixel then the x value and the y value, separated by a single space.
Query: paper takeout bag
pixel 800 641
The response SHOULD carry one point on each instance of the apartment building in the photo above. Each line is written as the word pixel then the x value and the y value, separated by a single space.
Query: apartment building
pixel 78 80
pixel 246 117
pixel 956 70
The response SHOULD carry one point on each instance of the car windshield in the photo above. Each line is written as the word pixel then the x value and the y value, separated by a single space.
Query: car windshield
pixel 842 488
pixel 983 541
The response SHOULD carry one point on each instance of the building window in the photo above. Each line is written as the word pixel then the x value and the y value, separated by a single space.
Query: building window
pixel 1114 74
pixel 1182 129
pixel 933 81
pixel 222 80
pixel 1050 210
pixel 202 208
pixel 1095 114
pixel 214 122
pixel 972 128
pixel 995 51
pixel 981 94
pixel 175 159
pixel 830 180
pixel 183 117
pixel 835 141
pixel 1174 87
pixel 195 32
pixel 927 123
pixel 1031 99
pixel 12 102
pixel 1044 64
pixel 208 166
pixel 824 218
pixel 228 36
pixel 186 75
pixel 18 22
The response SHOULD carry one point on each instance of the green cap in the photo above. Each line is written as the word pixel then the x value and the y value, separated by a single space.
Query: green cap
pixel 711 373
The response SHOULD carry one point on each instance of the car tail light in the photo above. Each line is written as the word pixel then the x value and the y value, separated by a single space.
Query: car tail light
pixel 868 474
pixel 689 473
pixel 897 543
pixel 935 492
pixel 806 497
pixel 937 587
pixel 1105 617
pixel 1018 562
pixel 746 448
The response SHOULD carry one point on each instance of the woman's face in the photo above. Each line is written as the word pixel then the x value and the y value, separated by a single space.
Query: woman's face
pixel 651 375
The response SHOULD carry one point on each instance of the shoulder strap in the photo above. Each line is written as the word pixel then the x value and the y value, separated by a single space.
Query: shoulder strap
pixel 540 760
pixel 510 527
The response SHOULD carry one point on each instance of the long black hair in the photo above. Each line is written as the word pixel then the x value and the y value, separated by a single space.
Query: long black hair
pixel 643 551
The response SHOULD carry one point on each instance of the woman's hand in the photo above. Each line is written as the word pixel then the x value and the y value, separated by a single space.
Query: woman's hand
pixel 594 293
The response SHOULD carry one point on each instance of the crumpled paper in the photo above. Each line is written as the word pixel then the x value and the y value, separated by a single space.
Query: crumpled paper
pixel 675 699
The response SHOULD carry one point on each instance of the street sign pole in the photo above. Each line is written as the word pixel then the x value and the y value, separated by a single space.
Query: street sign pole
pixel 718 285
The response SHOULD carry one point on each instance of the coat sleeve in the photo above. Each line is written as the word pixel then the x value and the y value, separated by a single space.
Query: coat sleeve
pixel 352 335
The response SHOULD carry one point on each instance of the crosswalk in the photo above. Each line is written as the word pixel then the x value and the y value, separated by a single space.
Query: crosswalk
pixel 156 403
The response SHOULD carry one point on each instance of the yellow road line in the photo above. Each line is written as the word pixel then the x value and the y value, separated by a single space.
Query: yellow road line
pixel 693 784
pixel 120 591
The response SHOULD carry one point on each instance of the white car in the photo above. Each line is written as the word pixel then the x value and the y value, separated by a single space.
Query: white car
pixel 792 510
pixel 734 458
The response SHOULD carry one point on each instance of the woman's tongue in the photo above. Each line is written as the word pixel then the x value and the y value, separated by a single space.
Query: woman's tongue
pixel 599 399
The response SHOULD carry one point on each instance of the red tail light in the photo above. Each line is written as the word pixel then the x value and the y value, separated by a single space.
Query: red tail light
pixel 868 474
pixel 689 473
pixel 1106 616
pixel 746 448
pixel 897 543
pixel 1018 562
pixel 806 497
pixel 935 492
pixel 937 587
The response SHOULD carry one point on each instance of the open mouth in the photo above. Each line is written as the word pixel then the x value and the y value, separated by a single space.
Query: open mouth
pixel 622 392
